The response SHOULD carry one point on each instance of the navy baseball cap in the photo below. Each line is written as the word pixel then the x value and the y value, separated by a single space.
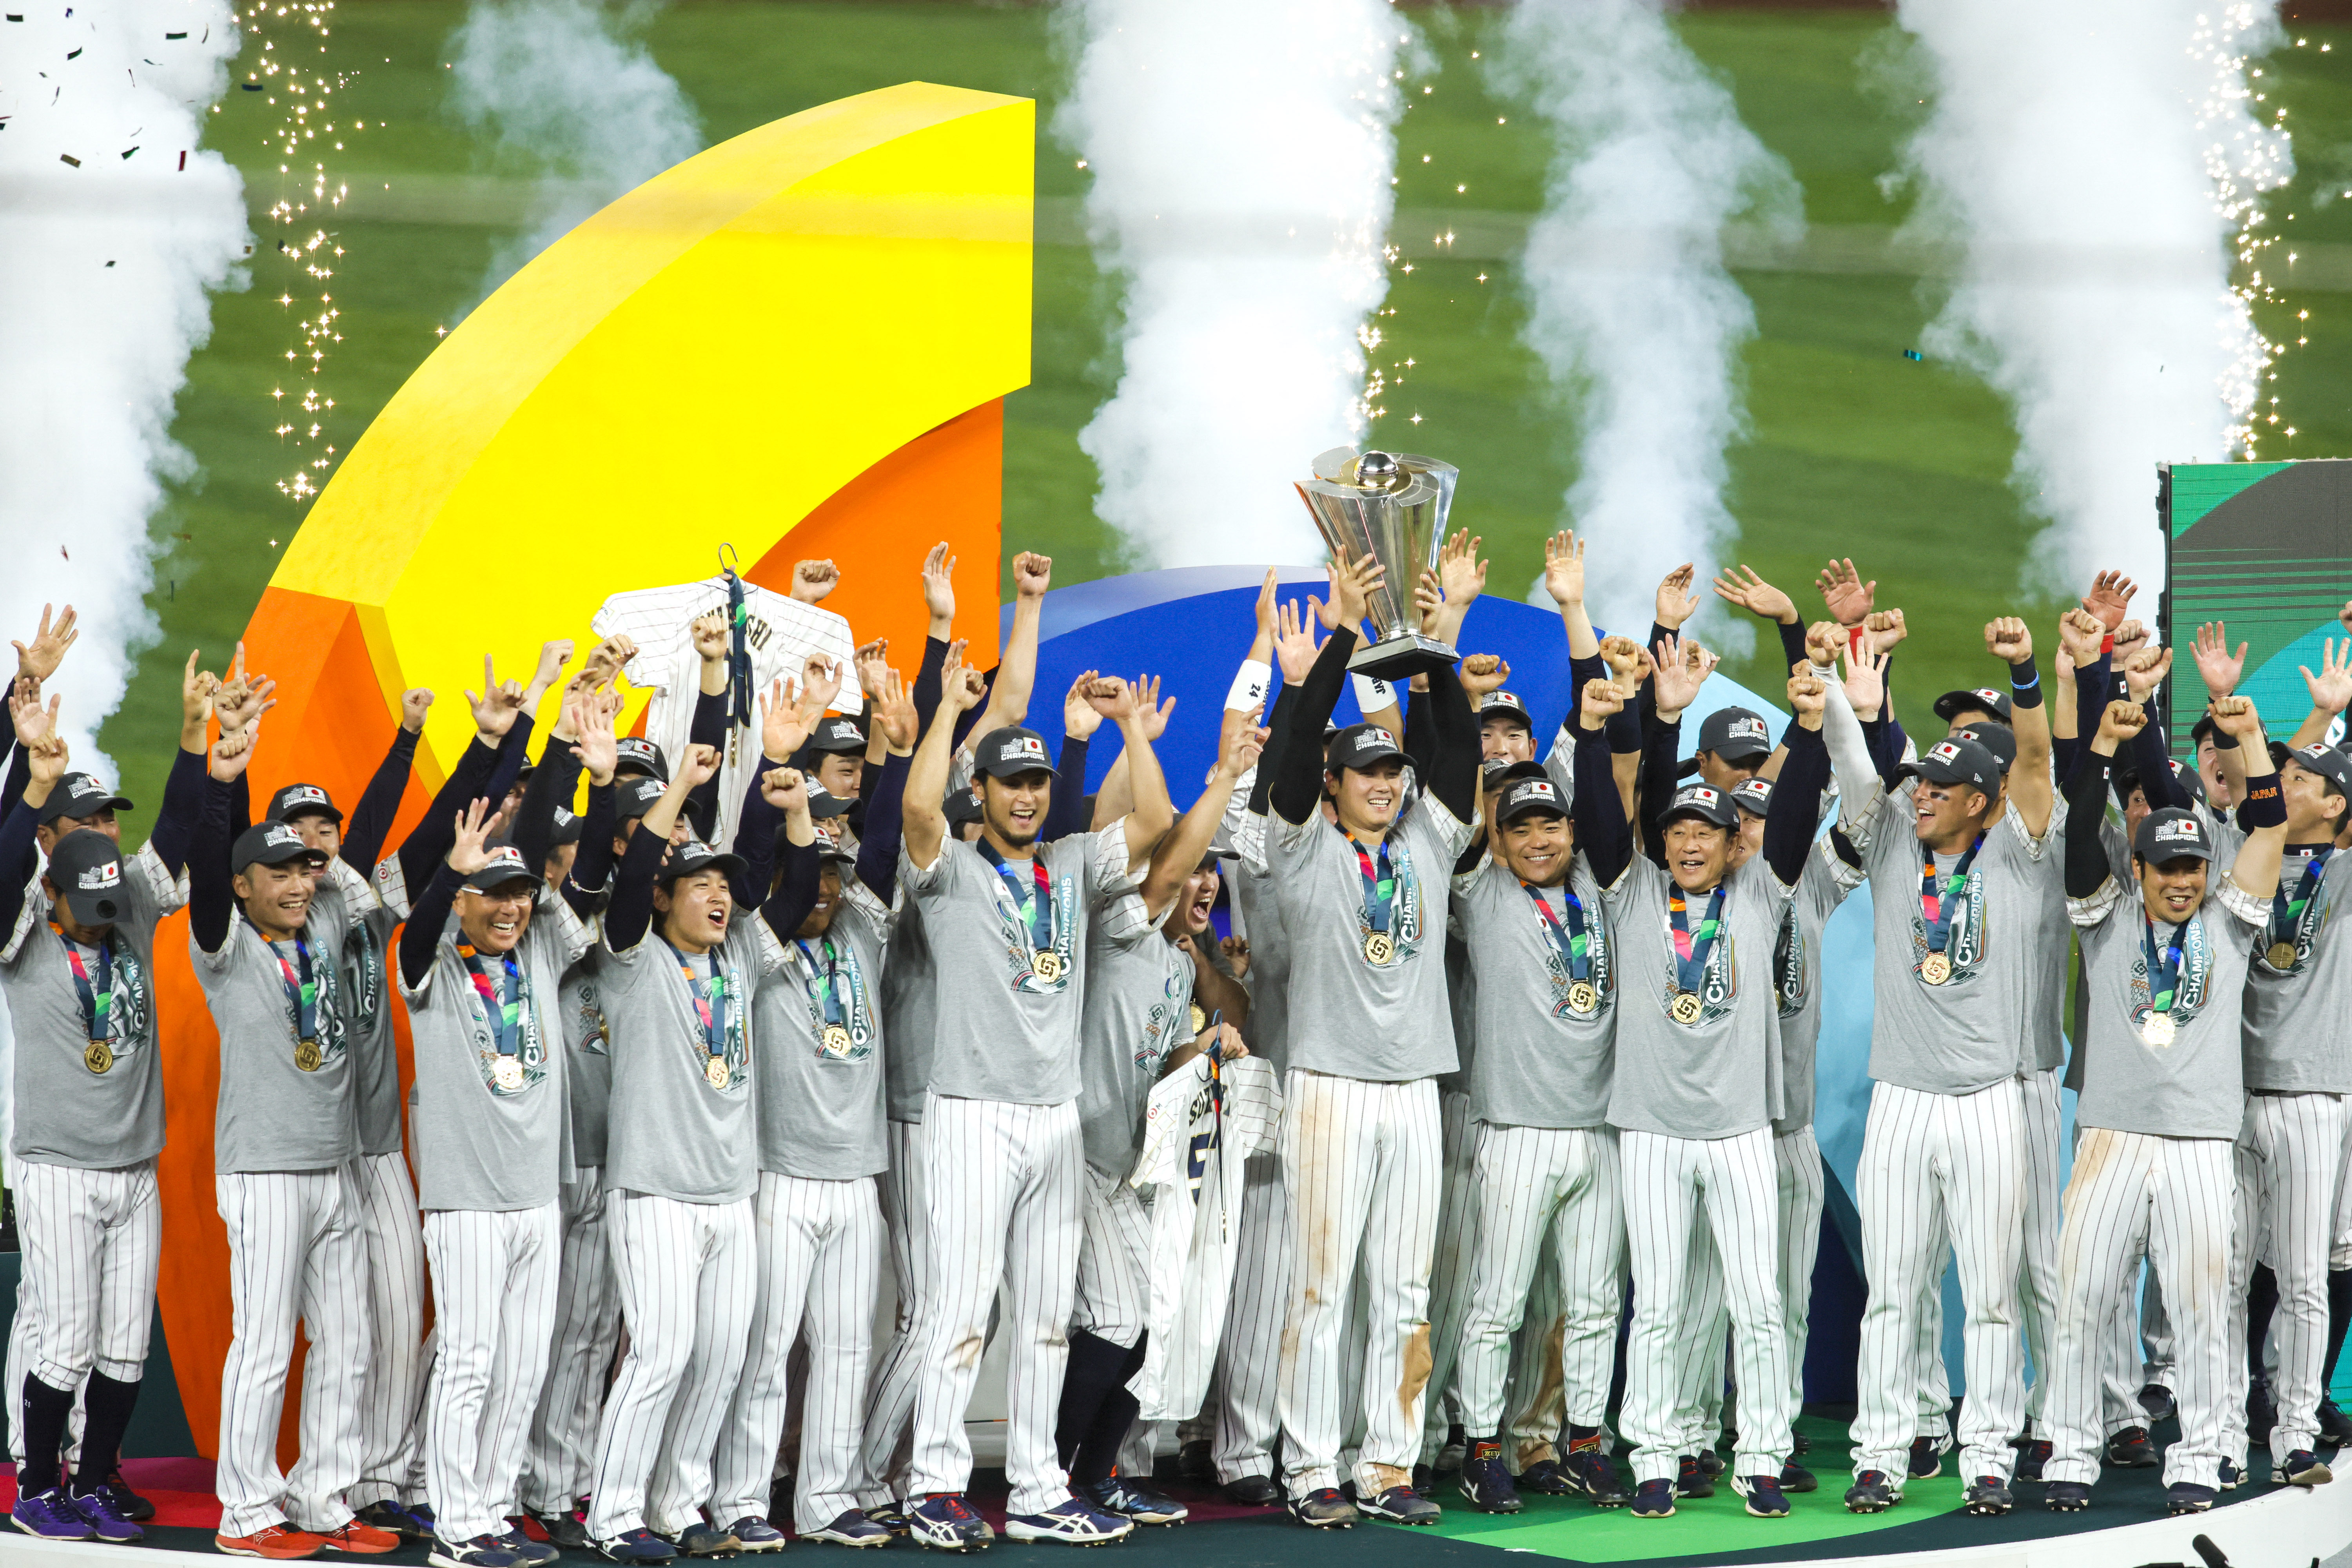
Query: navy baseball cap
pixel 1361 746
pixel 86 868
pixel 1753 796
pixel 1522 797
pixel 2172 834
pixel 300 800
pixel 272 844
pixel 823 802
pixel 78 796
pixel 1735 734
pixel 1953 759
pixel 685 859
pixel 1997 739
pixel 1503 705
pixel 635 796
pixel 1704 801
pixel 1008 753
pixel 639 755
pixel 838 734
pixel 567 827
pixel 962 806
pixel 1982 699
pixel 505 868
pixel 2327 763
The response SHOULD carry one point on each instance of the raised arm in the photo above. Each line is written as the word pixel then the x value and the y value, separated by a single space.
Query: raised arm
pixel 1179 851
pixel 2331 692
pixel 212 897
pixel 1795 809
pixel 497 712
pixel 630 912
pixel 1858 781
pixel 2264 814
pixel 1742 586
pixel 1453 768
pixel 371 820
pixel 551 783
pixel 1564 581
pixel 1299 784
pixel 1602 831
pixel 784 793
pixel 925 808
pixel 2008 639
pixel 1131 707
pixel 1016 669
pixel 2086 799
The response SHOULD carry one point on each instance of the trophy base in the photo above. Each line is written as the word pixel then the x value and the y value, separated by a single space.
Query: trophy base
pixel 1402 657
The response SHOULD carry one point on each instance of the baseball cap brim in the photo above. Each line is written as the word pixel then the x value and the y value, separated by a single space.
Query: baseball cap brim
pixel 55 807
pixel 732 865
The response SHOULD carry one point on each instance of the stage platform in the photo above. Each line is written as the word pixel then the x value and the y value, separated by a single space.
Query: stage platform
pixel 2260 1525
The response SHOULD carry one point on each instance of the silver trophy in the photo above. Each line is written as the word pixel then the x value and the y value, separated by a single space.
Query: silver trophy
pixel 1393 507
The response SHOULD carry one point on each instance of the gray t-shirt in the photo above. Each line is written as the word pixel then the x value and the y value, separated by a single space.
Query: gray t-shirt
pixel 909 1014
pixel 1269 964
pixel 821 1093
pixel 2191 1085
pixel 68 1113
pixel 2297 1041
pixel 1797 978
pixel 587 1060
pixel 1461 1005
pixel 492 1135
pixel 1004 1030
pixel 284 1105
pixel 1348 1016
pixel 1979 1025
pixel 1540 1061
pixel 1139 1008
pixel 367 1016
pixel 1718 1076
pixel 673 1131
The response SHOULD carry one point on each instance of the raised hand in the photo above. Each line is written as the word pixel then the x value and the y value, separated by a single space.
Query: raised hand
pixel 593 742
pixel 893 710
pixel 604 660
pixel 961 689
pixel 250 701
pixel 495 706
pixel 784 725
pixel 710 635
pixel 1080 717
pixel 1885 628
pixel 1294 645
pixel 1808 694
pixel 1824 640
pixel 46 759
pixel 786 789
pixel 553 657
pixel 1428 603
pixel 1676 602
pixel 48 649
pixel 1483 673
pixel 1682 667
pixel 1740 585
pixel 1460 572
pixel 1237 953
pixel 1032 574
pixel 1865 683
pixel 698 766
pixel 1151 713
pixel 1353 584
pixel 2219 668
pixel 2008 641
pixel 2144 672
pixel 2235 716
pixel 1111 698
pixel 1266 606
pixel 1243 745
pixel 1601 699
pixel 197 687
pixel 1564 568
pixel 2122 720
pixel 2331 688
pixel 939 588
pixel 1849 598
pixel 1623 655
pixel 33 722
pixel 232 752
pixel 2111 594
pixel 469 847
pixel 2082 636
pixel 414 704
pixel 812 580
pixel 873 661
pixel 820 684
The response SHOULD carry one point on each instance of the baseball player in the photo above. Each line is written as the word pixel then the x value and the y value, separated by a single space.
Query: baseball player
pixel 76 970
pixel 268 942
pixel 820 1114
pixel 681 973
pixel 1960 904
pixel 1140 1021
pixel 480 958
pixel 1364 896
pixel 1004 1162
pixel 2161 1103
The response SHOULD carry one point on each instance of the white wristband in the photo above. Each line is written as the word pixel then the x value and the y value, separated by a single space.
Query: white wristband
pixel 1250 683
pixel 1372 694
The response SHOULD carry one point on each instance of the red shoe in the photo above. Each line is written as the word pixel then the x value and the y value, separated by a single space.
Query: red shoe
pixel 364 1540
pixel 280 1542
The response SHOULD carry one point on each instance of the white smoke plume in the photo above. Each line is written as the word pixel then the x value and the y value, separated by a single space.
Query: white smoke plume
pixel 2095 163
pixel 566 90
pixel 1629 307
pixel 1242 197
pixel 119 222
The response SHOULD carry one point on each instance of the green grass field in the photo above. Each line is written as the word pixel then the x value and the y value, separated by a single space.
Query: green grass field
pixel 1903 465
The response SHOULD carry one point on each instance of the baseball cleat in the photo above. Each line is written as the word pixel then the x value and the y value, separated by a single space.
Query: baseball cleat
pixel 1763 1494
pixel 2033 1457
pixel 1988 1497
pixel 2129 1449
pixel 1400 1505
pixel 1927 1459
pixel 853 1529
pixel 1253 1492
pixel 1073 1523
pixel 639 1546
pixel 359 1540
pixel 564 1528
pixel 892 1518
pixel 946 1522
pixel 1691 1479
pixel 1591 1472
pixel 2188 1497
pixel 1325 1507
pixel 756 1534
pixel 1653 1500
pixel 2302 1468
pixel 128 1504
pixel 528 1551
pixel 1872 1492
pixel 416 1524
pixel 1548 1478
pixel 1123 1499
pixel 482 1552
pixel 2335 1426
pixel 2066 1497
pixel 1485 1482
pixel 704 1540
pixel 1795 1478
pixel 2158 1400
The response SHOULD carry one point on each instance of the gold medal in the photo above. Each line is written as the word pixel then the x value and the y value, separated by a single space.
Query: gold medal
pixel 307 1057
pixel 1583 996
pixel 1685 1007
pixel 714 1072
pixel 1935 969
pixel 507 1073
pixel 1199 1019
pixel 2281 955
pixel 1379 947
pixel 2159 1030
pixel 99 1057
pixel 837 1040
pixel 1048 965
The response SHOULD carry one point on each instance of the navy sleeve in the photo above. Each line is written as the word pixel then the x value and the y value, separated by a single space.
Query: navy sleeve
pixel 1299 783
pixel 371 822
pixel 20 858
pixel 796 891
pixel 1662 741
pixel 212 899
pixel 708 729
pixel 1277 731
pixel 878 852
pixel 428 919
pixel 1453 773
pixel 630 912
pixel 184 803
pixel 513 752
pixel 1601 830
pixel 1793 644
pixel 928 685
pixel 1420 729
pixel 584 887
pixel 1068 812
pixel 2155 769
pixel 429 843
pixel 551 783
pixel 2086 804
pixel 20 773
pixel 1795 810
pixel 755 844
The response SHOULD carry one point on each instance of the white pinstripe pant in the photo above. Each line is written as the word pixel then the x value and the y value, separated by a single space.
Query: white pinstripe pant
pixel 2037 1264
pixel 1361 1162
pixel 2171 1199
pixel 1543 1189
pixel 1450 1264
pixel 90 1239
pixel 392 1407
pixel 1005 1184
pixel 687 1276
pixel 1931 1161
pixel 1249 1353
pixel 1536 1405
pixel 2297 1143
pixel 580 1356
pixel 493 1296
pixel 1699 1361
pixel 294 1252
pixel 1114 1261
pixel 820 1268
pixel 886 1447
pixel 1666 1182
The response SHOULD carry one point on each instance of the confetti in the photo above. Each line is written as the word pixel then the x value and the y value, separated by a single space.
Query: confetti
pixel 128 151
pixel 68 158
pixel 250 85
pixel 171 35
pixel 184 164
pixel 1914 354
pixel 73 54
pixel 13 17
pixel 110 264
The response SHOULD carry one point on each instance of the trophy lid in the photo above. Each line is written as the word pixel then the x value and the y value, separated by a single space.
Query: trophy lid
pixel 1405 476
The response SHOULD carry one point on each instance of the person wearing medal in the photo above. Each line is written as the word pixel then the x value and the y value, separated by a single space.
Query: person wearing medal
pixel 267 944
pixel 1141 1022
pixel 1964 921
pixel 820 1112
pixel 78 972
pixel 480 958
pixel 1008 923
pixel 2165 961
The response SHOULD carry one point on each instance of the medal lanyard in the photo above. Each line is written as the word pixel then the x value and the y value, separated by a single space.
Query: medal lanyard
pixel 1033 905
pixel 2286 913
pixel 1692 950
pixel 823 986
pixel 709 1002
pixel 301 988
pixel 506 1017
pixel 2163 963
pixel 98 997
pixel 1380 883
pixel 1573 944
pixel 1933 896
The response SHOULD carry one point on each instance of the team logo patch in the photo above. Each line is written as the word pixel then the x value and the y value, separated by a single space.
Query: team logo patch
pixel 95 878
pixel 306 794
pixel 1992 698
pixel 87 788
pixel 1943 751
pixel 277 836
pixel 1022 749
pixel 841 730
pixel 2182 830
pixel 1702 794
pixel 1746 729
pixel 1374 739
